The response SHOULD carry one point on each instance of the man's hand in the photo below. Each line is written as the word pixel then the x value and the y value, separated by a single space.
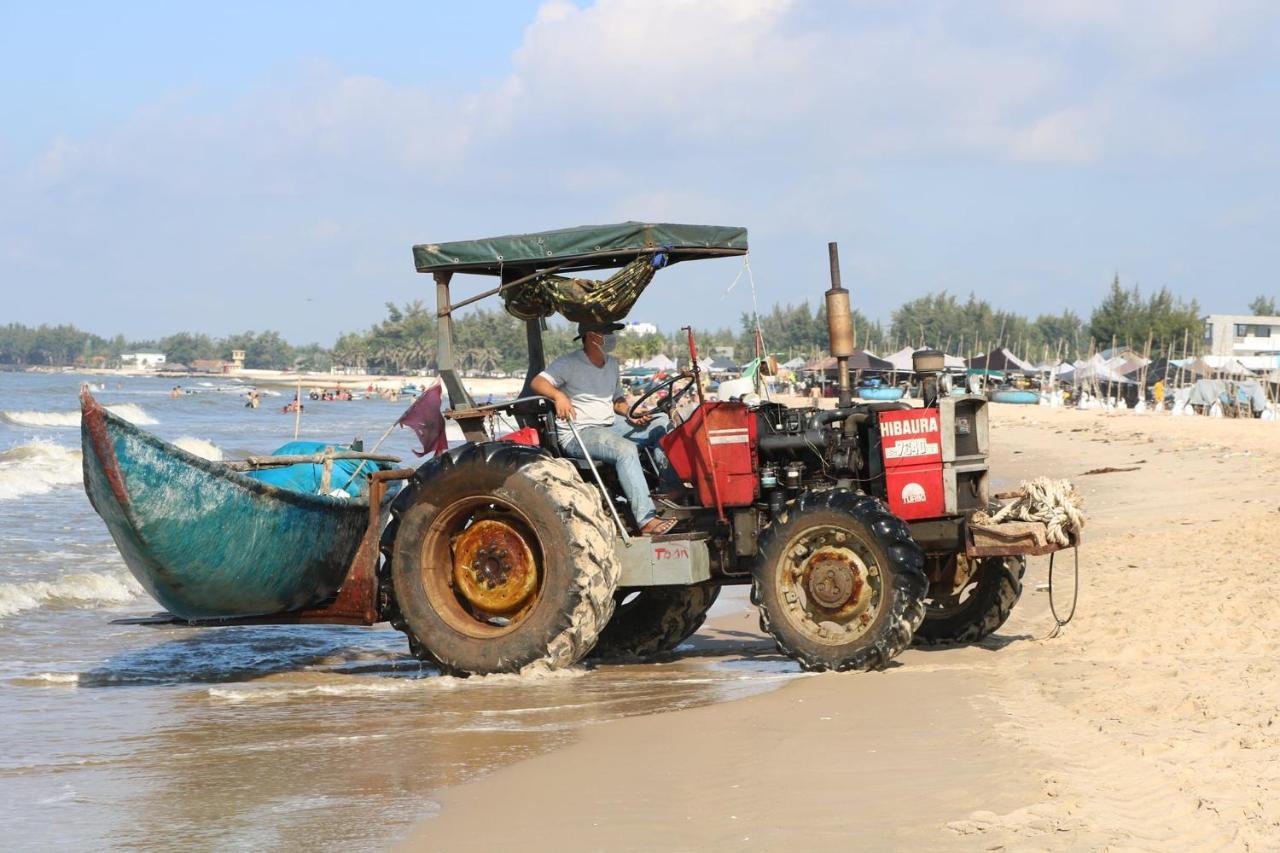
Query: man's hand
pixel 564 407
pixel 641 419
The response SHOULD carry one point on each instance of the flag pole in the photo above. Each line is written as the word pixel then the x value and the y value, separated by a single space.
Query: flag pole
pixel 376 445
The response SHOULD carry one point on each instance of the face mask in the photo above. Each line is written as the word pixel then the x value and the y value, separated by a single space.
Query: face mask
pixel 610 343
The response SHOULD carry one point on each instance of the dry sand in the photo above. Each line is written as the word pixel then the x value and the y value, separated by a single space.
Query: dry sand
pixel 1152 722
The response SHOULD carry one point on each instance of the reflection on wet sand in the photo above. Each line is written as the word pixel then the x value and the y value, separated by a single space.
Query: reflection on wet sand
pixel 251 737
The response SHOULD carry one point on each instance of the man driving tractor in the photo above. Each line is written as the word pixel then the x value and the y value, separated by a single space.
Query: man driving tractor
pixel 587 389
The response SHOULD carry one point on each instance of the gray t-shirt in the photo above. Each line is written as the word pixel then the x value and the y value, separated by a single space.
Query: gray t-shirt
pixel 592 389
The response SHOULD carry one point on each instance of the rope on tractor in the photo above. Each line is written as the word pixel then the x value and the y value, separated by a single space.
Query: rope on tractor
pixel 1058 505
pixel 1053 502
pixel 1075 594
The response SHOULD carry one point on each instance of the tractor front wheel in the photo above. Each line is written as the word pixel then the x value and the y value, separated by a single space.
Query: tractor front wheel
pixel 839 582
pixel 503 559
pixel 972 600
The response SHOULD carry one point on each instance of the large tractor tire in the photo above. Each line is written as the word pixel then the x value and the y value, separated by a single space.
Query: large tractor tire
pixel 978 607
pixel 500 557
pixel 654 620
pixel 839 582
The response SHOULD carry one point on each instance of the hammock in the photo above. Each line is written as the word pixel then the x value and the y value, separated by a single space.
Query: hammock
pixel 583 300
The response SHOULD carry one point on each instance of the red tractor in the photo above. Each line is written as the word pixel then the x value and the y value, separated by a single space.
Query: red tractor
pixel 852 524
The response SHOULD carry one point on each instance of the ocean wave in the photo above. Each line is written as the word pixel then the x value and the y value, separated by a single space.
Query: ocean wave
pixel 85 590
pixel 336 686
pixel 128 411
pixel 48 679
pixel 37 468
pixel 200 447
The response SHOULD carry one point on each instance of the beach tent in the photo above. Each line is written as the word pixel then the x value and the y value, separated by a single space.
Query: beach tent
pixel 859 361
pixel 724 366
pixel 901 360
pixel 863 360
pixel 659 362
pixel 1097 370
pixel 1156 369
pixel 1001 360
pixel 1209 367
pixel 1206 392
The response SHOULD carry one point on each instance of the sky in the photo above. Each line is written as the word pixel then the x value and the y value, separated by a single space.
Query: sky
pixel 234 166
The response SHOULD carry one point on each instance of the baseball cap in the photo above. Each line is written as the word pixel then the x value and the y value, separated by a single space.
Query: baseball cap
pixel 599 328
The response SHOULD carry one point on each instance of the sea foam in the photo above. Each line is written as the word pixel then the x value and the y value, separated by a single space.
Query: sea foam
pixel 37 468
pixel 128 411
pixel 200 447
pixel 84 590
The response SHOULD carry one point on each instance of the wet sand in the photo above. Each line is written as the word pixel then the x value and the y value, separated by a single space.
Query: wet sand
pixel 1151 722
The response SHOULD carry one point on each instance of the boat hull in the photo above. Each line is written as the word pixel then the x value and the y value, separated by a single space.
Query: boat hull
pixel 873 393
pixel 208 542
pixel 1025 398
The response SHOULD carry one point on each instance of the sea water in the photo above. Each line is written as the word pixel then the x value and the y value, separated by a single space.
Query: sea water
pixel 242 737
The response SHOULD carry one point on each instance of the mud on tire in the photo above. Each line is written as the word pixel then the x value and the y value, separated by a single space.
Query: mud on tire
pixel 991 596
pixel 541 598
pixel 654 620
pixel 820 612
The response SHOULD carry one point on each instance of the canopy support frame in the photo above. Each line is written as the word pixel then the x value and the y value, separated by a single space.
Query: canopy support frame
pixel 472 428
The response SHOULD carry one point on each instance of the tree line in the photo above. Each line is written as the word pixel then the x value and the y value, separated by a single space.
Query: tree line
pixel 490 341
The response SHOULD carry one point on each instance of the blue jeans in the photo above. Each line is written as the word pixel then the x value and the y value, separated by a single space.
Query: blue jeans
pixel 618 445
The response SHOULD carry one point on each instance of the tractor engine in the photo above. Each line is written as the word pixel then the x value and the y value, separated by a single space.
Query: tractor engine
pixel 925 463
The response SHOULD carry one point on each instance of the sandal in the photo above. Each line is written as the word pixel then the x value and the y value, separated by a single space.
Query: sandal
pixel 657 526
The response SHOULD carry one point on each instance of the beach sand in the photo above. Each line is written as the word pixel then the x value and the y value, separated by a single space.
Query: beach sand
pixel 1151 722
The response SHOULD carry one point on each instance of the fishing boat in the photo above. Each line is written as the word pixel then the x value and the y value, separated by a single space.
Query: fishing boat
pixel 1014 395
pixel 215 541
pixel 875 389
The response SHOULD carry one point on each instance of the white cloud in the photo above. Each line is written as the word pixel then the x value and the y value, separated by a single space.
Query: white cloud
pixel 776 114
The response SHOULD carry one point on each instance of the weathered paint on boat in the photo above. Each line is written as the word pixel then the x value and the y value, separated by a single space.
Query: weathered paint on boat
pixel 880 392
pixel 206 541
pixel 1013 395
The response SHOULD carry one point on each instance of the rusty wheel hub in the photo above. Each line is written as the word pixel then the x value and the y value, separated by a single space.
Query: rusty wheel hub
pixel 833 580
pixel 494 570
pixel 836 583
pixel 830 586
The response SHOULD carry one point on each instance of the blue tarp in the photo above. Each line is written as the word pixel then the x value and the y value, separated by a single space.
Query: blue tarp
pixel 306 477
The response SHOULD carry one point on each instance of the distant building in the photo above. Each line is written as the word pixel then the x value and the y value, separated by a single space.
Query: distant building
pixel 237 360
pixel 209 365
pixel 641 329
pixel 1240 335
pixel 143 360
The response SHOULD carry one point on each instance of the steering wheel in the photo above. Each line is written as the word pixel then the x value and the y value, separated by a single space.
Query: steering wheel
pixel 674 396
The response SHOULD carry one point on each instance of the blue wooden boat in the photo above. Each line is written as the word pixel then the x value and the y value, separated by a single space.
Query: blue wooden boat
pixel 210 542
pixel 1014 395
pixel 879 392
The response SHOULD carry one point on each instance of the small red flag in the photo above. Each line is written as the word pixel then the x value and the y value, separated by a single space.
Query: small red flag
pixel 426 420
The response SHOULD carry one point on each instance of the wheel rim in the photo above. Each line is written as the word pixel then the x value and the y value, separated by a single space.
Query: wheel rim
pixel 830 584
pixel 481 567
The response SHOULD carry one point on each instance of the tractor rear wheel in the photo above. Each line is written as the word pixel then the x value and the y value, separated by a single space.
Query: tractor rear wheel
pixel 502 558
pixel 654 620
pixel 970 607
pixel 839 582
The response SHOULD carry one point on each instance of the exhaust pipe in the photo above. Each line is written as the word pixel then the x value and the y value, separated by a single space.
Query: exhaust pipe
pixel 929 365
pixel 840 326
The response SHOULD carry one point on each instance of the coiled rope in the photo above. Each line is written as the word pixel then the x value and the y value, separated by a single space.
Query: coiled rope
pixel 1058 505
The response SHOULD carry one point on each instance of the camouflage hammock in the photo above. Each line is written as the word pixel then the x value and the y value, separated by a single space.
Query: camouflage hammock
pixel 582 300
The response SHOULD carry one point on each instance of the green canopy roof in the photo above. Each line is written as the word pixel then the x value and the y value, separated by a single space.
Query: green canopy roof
pixel 587 247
